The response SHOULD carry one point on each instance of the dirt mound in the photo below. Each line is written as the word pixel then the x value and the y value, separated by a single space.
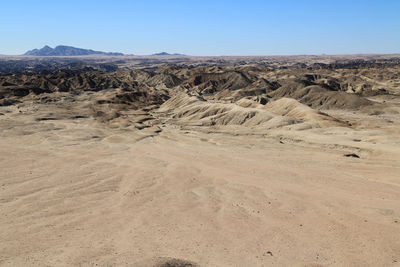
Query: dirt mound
pixel 316 96
pixel 209 83
pixel 195 111
pixel 133 89
pixel 63 82
pixel 258 88
pixel 294 109
pixel 164 81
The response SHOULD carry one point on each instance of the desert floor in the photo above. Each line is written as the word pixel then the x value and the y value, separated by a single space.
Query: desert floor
pixel 76 192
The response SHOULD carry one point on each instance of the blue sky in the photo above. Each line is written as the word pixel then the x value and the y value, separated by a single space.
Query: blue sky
pixel 248 27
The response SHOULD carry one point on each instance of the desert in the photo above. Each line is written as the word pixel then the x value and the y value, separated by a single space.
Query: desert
pixel 200 161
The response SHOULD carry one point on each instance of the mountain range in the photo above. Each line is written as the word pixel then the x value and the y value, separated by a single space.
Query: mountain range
pixel 167 54
pixel 63 50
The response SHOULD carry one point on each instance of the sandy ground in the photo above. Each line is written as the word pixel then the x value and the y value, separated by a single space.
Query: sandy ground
pixel 77 193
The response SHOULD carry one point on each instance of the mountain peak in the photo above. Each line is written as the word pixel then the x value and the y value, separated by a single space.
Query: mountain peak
pixel 63 50
pixel 167 54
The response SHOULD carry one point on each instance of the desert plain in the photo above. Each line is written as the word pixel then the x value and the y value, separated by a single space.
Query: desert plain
pixel 185 161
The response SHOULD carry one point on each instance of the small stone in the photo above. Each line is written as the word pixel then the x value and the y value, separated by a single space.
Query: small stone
pixel 352 155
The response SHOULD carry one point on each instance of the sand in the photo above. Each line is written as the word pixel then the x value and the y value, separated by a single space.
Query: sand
pixel 78 193
pixel 135 168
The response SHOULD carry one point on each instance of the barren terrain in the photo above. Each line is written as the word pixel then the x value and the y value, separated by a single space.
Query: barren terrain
pixel 279 161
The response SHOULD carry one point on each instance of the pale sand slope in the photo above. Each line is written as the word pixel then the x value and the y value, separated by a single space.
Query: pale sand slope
pixel 273 191
pixel 80 194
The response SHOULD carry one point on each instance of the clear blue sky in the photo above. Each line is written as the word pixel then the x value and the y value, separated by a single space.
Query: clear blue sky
pixel 203 27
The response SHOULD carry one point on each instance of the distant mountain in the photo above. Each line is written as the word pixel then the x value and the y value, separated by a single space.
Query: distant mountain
pixel 63 50
pixel 167 54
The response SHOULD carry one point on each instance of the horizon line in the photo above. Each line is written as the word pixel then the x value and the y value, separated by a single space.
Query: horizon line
pixel 185 55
